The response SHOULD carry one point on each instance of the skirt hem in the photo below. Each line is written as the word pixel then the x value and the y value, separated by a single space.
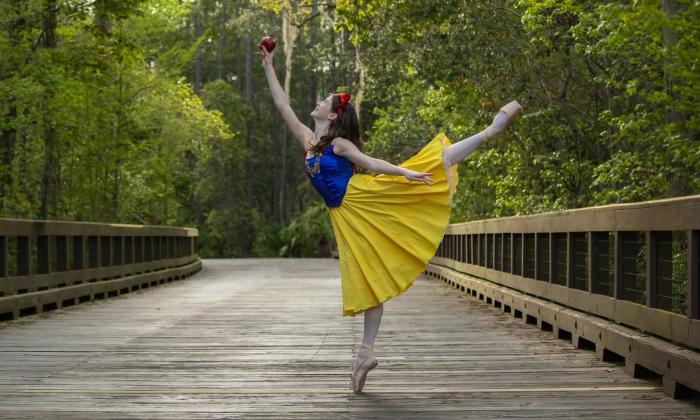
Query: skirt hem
pixel 354 312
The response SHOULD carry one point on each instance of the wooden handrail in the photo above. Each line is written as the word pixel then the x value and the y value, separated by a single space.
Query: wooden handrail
pixel 46 265
pixel 636 264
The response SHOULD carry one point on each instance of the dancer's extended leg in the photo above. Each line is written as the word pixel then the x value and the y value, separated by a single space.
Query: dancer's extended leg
pixel 365 360
pixel 460 150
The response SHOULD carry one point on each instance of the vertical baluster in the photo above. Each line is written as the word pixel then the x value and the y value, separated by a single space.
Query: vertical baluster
pixel 551 257
pixel 693 283
pixel 511 252
pixel 3 256
pixel 650 239
pixel 617 274
pixel 569 260
pixel 536 272
pixel 589 271
pixel 451 252
pixel 470 249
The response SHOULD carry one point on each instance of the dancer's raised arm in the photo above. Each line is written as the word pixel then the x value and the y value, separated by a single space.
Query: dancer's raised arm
pixel 301 132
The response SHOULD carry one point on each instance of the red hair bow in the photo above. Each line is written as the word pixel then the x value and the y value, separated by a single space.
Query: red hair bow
pixel 344 100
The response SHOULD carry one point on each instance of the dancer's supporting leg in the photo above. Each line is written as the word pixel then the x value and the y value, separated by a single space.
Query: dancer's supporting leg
pixel 460 150
pixel 373 317
pixel 365 360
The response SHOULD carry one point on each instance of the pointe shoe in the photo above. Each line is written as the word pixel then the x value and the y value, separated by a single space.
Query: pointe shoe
pixel 511 109
pixel 503 118
pixel 360 369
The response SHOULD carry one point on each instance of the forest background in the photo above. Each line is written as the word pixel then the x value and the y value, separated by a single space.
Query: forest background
pixel 157 111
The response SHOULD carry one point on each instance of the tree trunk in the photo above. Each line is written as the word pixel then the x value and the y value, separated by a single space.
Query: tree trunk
pixel 8 135
pixel 198 31
pixel 49 184
pixel 670 8
pixel 313 78
pixel 249 123
pixel 221 71
pixel 344 41
pixel 274 209
pixel 289 36
pixel 360 85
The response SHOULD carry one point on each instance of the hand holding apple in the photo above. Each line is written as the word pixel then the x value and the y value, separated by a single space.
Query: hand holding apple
pixel 267 45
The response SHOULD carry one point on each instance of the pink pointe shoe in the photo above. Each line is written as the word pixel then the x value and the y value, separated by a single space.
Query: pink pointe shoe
pixel 363 364
pixel 503 118
pixel 511 109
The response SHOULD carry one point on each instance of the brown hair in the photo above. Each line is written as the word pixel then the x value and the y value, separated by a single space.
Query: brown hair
pixel 347 126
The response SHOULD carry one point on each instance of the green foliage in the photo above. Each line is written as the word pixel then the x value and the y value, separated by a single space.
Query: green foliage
pixel 155 111
pixel 126 135
pixel 609 98
pixel 309 234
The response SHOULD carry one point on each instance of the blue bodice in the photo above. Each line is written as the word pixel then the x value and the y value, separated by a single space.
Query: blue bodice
pixel 331 181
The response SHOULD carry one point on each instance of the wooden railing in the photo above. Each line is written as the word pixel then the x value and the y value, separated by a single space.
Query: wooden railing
pixel 46 265
pixel 620 278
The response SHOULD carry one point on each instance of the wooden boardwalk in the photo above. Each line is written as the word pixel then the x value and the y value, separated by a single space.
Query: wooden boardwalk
pixel 257 338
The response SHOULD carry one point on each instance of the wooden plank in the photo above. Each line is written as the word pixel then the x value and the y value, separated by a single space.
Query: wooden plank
pixel 264 338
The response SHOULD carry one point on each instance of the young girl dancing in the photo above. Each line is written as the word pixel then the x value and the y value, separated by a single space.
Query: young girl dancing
pixel 387 226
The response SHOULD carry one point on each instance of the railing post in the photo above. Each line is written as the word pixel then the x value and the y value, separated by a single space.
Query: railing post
pixel 523 254
pixel 536 272
pixel 478 249
pixel 569 260
pixel 590 262
pixel 650 238
pixel 3 256
pixel 503 253
pixel 455 238
pixel 551 257
pixel 471 249
pixel 693 275
pixel 493 250
pixel 492 247
pixel 617 266
pixel 512 253
pixel 449 246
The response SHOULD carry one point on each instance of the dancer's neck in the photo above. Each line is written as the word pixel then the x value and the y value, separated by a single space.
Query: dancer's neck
pixel 320 129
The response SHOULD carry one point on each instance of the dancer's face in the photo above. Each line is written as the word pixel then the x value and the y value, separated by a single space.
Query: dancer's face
pixel 324 109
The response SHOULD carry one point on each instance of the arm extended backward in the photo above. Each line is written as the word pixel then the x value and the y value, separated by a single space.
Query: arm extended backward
pixel 347 149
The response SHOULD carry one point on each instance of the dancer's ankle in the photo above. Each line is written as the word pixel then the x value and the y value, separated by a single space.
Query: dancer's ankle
pixel 366 348
pixel 499 124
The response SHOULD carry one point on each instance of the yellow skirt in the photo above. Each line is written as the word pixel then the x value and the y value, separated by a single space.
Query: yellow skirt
pixel 388 228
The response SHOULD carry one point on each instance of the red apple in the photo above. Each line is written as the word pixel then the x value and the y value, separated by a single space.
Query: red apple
pixel 269 43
